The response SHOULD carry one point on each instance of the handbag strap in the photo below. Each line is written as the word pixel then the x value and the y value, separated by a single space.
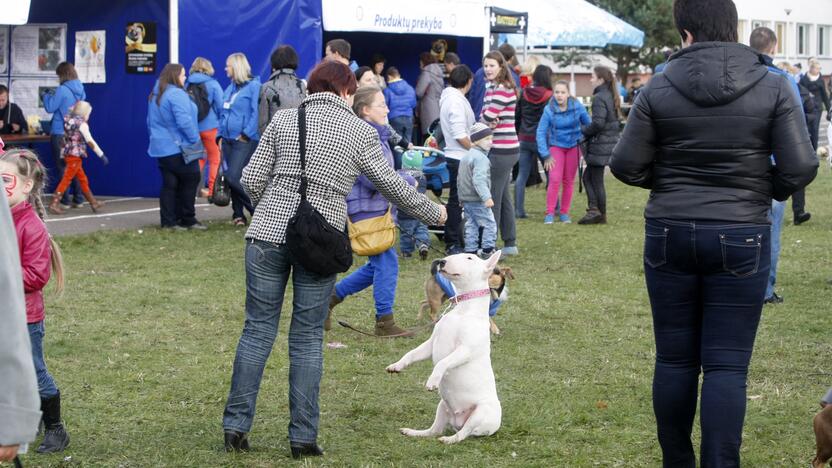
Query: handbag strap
pixel 302 133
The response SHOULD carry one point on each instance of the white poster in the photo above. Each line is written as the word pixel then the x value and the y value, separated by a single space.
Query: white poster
pixel 4 49
pixel 435 17
pixel 89 56
pixel 37 49
pixel 28 94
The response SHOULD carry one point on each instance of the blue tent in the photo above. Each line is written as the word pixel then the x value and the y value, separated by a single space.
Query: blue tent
pixel 570 23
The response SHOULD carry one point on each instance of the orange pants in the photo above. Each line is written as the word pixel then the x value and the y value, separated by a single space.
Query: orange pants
pixel 209 140
pixel 74 169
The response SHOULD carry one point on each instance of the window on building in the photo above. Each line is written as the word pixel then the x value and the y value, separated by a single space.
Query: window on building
pixel 802 39
pixel 742 33
pixel 757 23
pixel 780 31
pixel 823 41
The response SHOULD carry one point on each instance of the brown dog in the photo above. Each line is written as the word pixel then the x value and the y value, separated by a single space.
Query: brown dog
pixel 435 296
pixel 823 436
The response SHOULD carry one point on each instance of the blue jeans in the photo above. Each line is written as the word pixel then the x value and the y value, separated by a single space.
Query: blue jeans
pixel 46 384
pixel 412 234
pixel 60 165
pixel 267 274
pixel 381 272
pixel 778 212
pixel 236 154
pixel 706 283
pixel 478 216
pixel 528 163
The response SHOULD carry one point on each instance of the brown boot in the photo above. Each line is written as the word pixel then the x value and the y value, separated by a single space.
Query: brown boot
pixel 593 216
pixel 55 204
pixel 333 301
pixel 386 326
pixel 94 204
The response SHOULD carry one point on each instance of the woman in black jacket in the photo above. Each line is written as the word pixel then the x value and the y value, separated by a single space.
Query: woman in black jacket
pixel 602 134
pixel 695 140
pixel 813 81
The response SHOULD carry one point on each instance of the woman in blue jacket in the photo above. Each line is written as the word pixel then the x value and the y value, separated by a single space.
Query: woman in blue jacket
pixel 201 74
pixel 70 91
pixel 558 134
pixel 171 123
pixel 238 129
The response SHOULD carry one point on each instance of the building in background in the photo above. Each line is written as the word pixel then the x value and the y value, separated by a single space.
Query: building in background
pixel 803 28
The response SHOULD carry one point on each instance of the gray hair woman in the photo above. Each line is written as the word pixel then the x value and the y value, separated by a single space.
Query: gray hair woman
pixel 340 147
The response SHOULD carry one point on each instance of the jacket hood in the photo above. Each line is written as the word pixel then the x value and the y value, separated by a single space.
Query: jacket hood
pixel 715 73
pixel 536 94
pixel 76 87
pixel 435 69
pixel 399 88
pixel 198 78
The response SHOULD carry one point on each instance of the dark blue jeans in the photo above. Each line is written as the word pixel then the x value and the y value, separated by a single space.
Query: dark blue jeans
pixel 267 274
pixel 46 384
pixel 706 283
pixel 528 163
pixel 60 165
pixel 412 234
pixel 179 183
pixel 236 154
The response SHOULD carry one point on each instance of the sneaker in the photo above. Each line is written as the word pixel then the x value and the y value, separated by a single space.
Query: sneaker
pixel 564 218
pixel 774 299
pixel 510 250
pixel 239 221
pixel 198 226
pixel 453 250
pixel 423 252
pixel 549 219
pixel 406 255
pixel 176 228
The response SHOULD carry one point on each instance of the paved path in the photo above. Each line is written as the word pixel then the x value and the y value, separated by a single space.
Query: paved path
pixel 123 214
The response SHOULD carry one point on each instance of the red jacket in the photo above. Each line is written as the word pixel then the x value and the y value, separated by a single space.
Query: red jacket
pixel 35 257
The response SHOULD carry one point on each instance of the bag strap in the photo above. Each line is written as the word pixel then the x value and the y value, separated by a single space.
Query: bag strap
pixel 302 133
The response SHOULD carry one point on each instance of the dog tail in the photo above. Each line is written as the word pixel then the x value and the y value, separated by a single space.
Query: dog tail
pixel 423 306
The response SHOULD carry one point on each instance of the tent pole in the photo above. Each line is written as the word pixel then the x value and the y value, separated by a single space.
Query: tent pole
pixel 486 42
pixel 173 13
pixel 525 48
pixel 572 86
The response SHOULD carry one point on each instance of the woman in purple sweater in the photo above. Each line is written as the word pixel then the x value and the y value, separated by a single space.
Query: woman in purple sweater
pixel 365 201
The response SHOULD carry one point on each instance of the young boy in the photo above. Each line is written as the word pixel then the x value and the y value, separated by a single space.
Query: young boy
pixel 474 187
pixel 401 100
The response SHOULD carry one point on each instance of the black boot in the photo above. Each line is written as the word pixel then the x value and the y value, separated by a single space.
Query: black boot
pixel 236 441
pixel 306 450
pixel 55 438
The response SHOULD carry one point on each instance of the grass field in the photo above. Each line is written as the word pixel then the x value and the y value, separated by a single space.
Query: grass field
pixel 142 343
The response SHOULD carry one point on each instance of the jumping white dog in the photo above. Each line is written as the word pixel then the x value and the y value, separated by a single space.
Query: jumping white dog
pixel 460 346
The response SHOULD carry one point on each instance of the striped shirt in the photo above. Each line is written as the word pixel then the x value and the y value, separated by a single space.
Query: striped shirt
pixel 499 104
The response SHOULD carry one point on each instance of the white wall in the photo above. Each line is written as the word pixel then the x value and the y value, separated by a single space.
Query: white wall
pixel 812 14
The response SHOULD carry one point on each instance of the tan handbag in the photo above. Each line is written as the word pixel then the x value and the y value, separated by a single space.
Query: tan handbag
pixel 373 236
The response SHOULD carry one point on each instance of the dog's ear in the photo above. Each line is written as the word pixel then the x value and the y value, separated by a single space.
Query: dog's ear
pixel 491 263
pixel 507 273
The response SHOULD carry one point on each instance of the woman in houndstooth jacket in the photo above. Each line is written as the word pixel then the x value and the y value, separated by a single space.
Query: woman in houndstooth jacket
pixel 340 147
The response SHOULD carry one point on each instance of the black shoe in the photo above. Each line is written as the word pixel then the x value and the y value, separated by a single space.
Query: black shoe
pixel 54 440
pixel 423 252
pixel 774 299
pixel 453 250
pixel 306 450
pixel 236 441
pixel 802 218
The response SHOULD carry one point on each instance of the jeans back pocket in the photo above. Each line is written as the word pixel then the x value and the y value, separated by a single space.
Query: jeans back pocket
pixel 741 253
pixel 655 245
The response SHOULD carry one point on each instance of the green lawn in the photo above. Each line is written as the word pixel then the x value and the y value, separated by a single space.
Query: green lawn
pixel 143 340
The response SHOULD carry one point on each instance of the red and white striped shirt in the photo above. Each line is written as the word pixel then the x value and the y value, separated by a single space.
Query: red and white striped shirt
pixel 499 104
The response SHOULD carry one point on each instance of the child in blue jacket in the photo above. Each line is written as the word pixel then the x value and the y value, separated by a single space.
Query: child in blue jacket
pixel 401 101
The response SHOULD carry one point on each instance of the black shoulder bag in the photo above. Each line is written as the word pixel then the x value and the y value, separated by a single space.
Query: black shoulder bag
pixel 221 196
pixel 312 241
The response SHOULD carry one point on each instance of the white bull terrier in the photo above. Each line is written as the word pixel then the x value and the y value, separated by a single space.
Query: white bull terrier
pixel 460 346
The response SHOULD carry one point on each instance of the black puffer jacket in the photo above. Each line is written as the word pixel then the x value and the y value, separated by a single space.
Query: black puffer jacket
pixel 701 135
pixel 604 129
pixel 533 100
pixel 818 90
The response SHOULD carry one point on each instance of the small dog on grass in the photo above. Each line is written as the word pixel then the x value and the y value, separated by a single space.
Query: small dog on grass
pixel 460 347
pixel 823 431
pixel 436 294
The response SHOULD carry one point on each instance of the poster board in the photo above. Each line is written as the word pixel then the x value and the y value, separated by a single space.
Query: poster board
pixel 27 92
pixel 140 47
pixel 37 49
pixel 90 48
pixel 4 49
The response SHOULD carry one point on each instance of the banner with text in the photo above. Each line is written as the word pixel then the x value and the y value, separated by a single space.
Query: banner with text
pixel 436 17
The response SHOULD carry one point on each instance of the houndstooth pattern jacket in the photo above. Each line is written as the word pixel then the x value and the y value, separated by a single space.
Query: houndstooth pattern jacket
pixel 340 147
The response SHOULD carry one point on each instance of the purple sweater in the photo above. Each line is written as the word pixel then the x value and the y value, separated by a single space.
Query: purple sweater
pixel 364 201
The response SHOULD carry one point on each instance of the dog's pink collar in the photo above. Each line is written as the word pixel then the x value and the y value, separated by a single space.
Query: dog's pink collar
pixel 470 295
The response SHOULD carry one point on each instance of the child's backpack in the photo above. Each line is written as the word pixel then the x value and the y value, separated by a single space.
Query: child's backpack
pixel 199 94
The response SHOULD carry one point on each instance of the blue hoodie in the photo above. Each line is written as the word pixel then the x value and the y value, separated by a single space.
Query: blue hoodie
pixel 401 99
pixel 212 120
pixel 65 96
pixel 561 128
pixel 171 123
pixel 240 111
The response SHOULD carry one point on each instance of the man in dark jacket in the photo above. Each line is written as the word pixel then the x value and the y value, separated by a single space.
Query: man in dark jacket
pixel 695 138
pixel 11 117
